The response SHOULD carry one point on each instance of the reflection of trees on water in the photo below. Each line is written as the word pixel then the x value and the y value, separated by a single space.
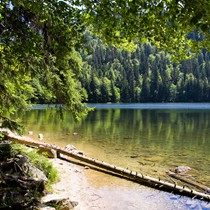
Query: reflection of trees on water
pixel 165 124
pixel 171 137
pixel 153 126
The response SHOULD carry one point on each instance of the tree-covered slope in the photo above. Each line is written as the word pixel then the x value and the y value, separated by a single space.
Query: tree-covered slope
pixel 146 75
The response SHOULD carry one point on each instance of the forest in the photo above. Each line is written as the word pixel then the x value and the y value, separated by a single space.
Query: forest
pixel 147 74
pixel 50 52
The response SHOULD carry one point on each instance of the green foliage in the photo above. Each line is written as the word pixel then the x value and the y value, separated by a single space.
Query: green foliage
pixel 1 136
pixel 37 59
pixel 12 125
pixel 166 23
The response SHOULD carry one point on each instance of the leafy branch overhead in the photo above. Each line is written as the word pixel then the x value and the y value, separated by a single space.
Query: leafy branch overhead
pixel 12 125
pixel 166 22
pixel 38 41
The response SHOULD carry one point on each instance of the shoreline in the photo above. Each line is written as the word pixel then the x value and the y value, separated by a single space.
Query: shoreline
pixel 125 173
pixel 94 191
pixel 72 184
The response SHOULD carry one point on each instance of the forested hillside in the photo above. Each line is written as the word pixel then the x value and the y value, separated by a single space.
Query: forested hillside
pixel 146 75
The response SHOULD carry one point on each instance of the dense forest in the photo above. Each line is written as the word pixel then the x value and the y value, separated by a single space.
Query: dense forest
pixel 146 75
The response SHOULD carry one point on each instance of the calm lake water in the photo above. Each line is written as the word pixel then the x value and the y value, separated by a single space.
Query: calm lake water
pixel 147 138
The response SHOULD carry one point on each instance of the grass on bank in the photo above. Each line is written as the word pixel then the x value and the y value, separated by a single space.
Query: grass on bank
pixel 39 160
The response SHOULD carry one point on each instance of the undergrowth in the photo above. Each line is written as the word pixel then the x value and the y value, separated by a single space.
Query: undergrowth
pixel 40 161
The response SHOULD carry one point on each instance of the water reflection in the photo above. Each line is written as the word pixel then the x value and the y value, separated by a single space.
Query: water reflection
pixel 152 141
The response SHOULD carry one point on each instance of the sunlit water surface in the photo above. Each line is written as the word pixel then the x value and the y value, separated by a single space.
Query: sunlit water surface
pixel 147 138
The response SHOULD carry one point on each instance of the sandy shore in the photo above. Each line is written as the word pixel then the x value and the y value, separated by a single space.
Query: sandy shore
pixel 94 191
pixel 73 184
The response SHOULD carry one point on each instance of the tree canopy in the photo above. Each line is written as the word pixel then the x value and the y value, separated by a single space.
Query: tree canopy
pixel 165 23
pixel 38 39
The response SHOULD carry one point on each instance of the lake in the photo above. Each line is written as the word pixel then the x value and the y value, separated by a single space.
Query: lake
pixel 147 138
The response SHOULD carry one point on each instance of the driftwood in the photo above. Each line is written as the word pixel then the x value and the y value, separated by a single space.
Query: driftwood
pixel 125 173
pixel 187 180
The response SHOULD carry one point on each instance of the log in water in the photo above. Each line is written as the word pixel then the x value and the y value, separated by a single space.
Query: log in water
pixel 189 181
pixel 122 172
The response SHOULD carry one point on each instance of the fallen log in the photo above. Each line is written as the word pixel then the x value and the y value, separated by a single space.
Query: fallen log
pixel 134 176
pixel 194 183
